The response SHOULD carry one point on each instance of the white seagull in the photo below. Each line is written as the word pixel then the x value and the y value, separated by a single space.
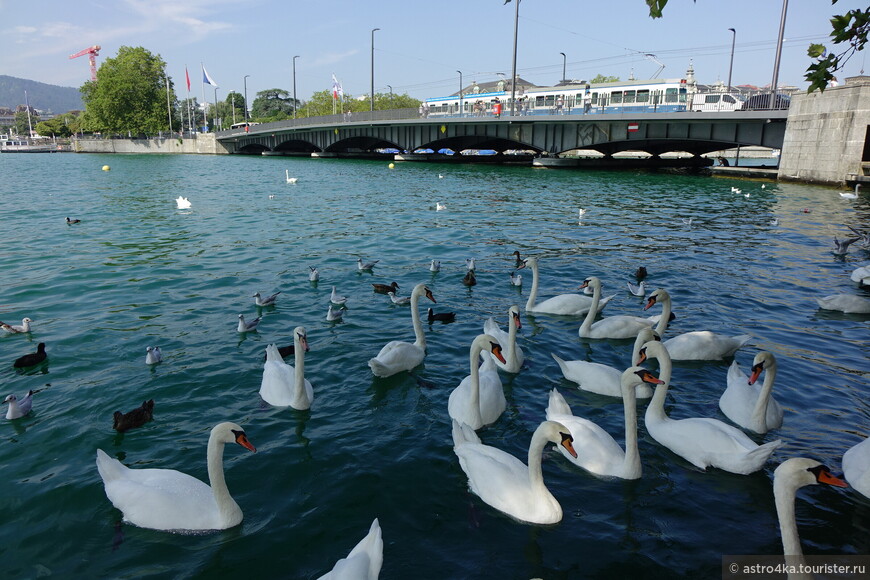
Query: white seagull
pixel 516 279
pixel 333 314
pixel 362 266
pixel 399 299
pixel 435 266
pixel 336 299
pixel 16 328
pixel 19 408
pixel 248 326
pixel 153 355
pixel 313 274
pixel 267 301
pixel 439 206
pixel 182 202
pixel 639 290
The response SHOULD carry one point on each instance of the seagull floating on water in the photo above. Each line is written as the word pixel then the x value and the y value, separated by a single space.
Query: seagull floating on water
pixel 248 326
pixel 16 328
pixel 268 301
pixel 289 179
pixel 153 355
pixel 313 274
pixel 398 299
pixel 435 266
pixel 182 202
pixel 841 247
pixel 333 314
pixel 469 263
pixel 439 206
pixel 19 408
pixel 637 290
pixel 337 299
pixel 687 221
pixel 516 279
pixel 363 266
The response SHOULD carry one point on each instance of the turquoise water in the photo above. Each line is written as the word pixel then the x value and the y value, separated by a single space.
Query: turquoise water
pixel 138 272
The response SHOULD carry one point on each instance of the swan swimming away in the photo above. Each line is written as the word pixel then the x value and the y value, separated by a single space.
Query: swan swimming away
pixel 856 467
pixel 248 326
pixel 750 405
pixel 267 301
pixel 479 399
pixel 288 178
pixel 181 202
pixel 848 195
pixel 702 441
pixel 364 561
pixel 17 328
pixel 153 355
pixel 788 477
pixel 599 453
pixel 563 304
pixel 397 356
pixel 845 303
pixel 18 407
pixel 282 384
pixel 506 483
pixel 621 326
pixel 603 379
pixel 169 500
pixel 513 354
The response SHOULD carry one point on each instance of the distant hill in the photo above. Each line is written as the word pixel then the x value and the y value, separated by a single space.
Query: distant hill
pixel 40 95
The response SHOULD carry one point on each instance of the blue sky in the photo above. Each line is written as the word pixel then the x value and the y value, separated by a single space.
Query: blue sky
pixel 420 45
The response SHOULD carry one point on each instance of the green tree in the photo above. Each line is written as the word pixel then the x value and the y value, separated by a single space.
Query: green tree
pixel 190 108
pixel 22 125
pixel 600 78
pixel 272 105
pixel 129 94
pixel 849 30
pixel 56 127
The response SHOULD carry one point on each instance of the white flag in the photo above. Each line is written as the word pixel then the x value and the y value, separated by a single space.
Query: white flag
pixel 207 79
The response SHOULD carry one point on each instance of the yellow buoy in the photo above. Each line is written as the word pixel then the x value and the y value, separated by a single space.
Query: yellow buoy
pixel 106 167
pixel 391 165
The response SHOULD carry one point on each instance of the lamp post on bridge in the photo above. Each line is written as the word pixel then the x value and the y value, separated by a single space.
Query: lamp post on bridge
pixel 514 68
pixel 564 61
pixel 460 92
pixel 245 80
pixel 295 102
pixel 731 66
pixel 372 98
pixel 391 95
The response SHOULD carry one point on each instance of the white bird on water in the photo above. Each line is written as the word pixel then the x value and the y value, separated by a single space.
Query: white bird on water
pixel 362 266
pixel 469 263
pixel 516 279
pixel 439 206
pixel 287 176
pixel 435 266
pixel 16 328
pixel 182 202
pixel 19 408
pixel 334 314
pixel 399 299
pixel 313 274
pixel 639 290
pixel 336 298
pixel 267 301
pixel 153 355
pixel 248 326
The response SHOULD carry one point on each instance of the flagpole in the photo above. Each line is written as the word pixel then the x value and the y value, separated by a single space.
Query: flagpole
pixel 204 102
pixel 168 108
pixel 215 128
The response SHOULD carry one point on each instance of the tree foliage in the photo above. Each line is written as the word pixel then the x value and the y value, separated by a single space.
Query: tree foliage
pixel 61 126
pixel 129 94
pixel 272 105
pixel 849 30
pixel 600 78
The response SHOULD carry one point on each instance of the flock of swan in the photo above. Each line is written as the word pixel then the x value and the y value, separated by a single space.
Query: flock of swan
pixel 166 499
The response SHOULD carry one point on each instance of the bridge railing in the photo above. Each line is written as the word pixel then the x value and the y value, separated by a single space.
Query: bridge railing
pixel 337 119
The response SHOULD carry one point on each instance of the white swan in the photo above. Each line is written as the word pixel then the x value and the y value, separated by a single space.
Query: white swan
pixel 336 298
pixel 701 441
pixel 181 202
pixel 621 326
pixel 603 379
pixel 18 407
pixel 513 354
pixel 153 355
pixel 565 304
pixel 860 273
pixel 506 483
pixel 848 195
pixel 856 467
pixel 17 328
pixel 397 356
pixel 790 476
pixel 283 385
pixel 845 303
pixel 288 178
pixel 599 452
pixel 166 499
pixel 479 399
pixel 248 326
pixel 699 344
pixel 364 561
pixel 748 404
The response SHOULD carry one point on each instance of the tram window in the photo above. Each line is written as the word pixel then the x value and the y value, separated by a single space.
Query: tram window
pixel 643 96
pixel 628 96
pixel 539 101
pixel 616 97
pixel 670 95
pixel 595 98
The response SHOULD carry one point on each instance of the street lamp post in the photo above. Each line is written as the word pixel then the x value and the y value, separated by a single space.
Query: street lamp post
pixel 564 61
pixel 775 79
pixel 295 102
pixel 373 70
pixel 731 66
pixel 391 94
pixel 514 68
pixel 460 92
pixel 245 80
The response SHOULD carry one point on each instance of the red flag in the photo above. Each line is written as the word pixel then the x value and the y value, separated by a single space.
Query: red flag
pixel 187 76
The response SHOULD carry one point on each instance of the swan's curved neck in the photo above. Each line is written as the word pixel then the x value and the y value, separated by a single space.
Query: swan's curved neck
pixel 665 319
pixel 784 493
pixel 593 310
pixel 419 336
pixel 474 400
pixel 227 506
pixel 533 294
pixel 536 453
pixel 759 412
pixel 299 371
pixel 512 340
pixel 655 411
pixel 631 466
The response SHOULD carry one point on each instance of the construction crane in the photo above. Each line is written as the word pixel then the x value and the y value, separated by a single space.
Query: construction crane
pixel 93 52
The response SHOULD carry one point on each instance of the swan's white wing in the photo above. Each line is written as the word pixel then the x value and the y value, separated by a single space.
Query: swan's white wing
pixel 596 449
pixel 364 561
pixel 845 303
pixel 704 345
pixel 396 356
pixel 276 388
pixel 856 467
